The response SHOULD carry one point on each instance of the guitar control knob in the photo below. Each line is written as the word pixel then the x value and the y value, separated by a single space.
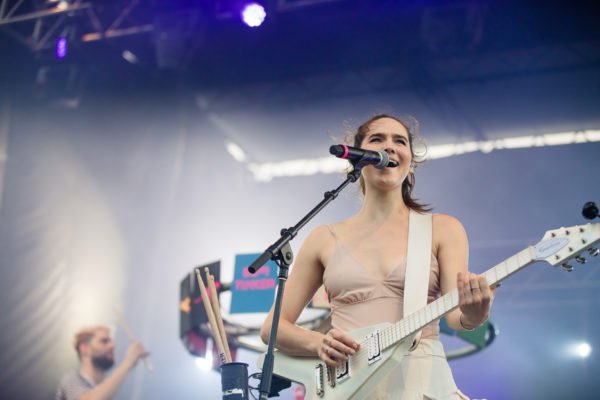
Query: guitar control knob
pixel 593 251
pixel 567 267
pixel 580 260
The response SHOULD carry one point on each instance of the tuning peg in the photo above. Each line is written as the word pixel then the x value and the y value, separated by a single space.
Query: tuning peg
pixel 593 251
pixel 567 267
pixel 580 259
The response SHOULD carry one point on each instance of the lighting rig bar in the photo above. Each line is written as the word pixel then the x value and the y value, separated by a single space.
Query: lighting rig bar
pixel 37 24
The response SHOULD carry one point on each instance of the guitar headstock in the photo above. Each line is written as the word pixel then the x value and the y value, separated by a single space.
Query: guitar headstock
pixel 559 246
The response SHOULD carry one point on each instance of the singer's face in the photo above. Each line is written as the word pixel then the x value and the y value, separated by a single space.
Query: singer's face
pixel 391 136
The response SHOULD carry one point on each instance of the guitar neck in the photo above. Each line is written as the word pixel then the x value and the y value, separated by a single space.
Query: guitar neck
pixel 446 303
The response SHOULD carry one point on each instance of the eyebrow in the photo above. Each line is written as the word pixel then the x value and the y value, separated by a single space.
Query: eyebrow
pixel 381 134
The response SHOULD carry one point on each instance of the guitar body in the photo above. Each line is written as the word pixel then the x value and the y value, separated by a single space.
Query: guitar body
pixel 363 378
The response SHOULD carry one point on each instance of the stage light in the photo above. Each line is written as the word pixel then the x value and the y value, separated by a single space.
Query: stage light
pixel 204 363
pixel 61 47
pixel 62 5
pixel 235 151
pixel 583 350
pixel 129 57
pixel 253 14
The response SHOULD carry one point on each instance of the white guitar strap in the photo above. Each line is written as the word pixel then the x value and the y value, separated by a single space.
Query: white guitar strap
pixel 418 261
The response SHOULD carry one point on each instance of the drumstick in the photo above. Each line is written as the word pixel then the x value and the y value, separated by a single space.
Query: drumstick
pixel 211 317
pixel 127 330
pixel 217 310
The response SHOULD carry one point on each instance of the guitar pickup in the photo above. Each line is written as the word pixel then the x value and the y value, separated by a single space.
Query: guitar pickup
pixel 373 347
pixel 342 373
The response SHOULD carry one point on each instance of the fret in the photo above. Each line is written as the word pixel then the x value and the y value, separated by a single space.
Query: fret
pixel 417 323
pixel 491 276
pixel 453 299
pixel 502 270
pixel 403 327
pixel 445 301
pixel 429 313
pixel 512 265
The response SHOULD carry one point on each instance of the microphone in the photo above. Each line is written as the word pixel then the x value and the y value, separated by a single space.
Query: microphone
pixel 362 157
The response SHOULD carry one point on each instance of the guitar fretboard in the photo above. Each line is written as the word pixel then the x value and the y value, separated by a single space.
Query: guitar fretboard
pixel 446 303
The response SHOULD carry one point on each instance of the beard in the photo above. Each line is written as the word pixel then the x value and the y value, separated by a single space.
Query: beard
pixel 103 362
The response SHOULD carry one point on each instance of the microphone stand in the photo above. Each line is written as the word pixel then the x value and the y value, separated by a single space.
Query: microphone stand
pixel 281 253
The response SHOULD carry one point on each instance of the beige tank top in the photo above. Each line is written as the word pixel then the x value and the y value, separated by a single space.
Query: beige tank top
pixel 359 299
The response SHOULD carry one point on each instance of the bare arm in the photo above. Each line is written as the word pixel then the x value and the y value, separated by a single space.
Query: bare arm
pixel 107 389
pixel 304 280
pixel 453 257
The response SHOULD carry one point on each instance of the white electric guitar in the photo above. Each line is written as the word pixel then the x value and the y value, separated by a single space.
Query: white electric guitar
pixel 384 345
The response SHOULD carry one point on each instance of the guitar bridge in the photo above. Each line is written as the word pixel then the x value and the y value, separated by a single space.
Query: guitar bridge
pixel 319 389
pixel 373 347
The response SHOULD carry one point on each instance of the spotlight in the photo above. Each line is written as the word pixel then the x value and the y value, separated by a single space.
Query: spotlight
pixel 235 151
pixel 204 364
pixel 129 57
pixel 253 14
pixel 61 47
pixel 583 350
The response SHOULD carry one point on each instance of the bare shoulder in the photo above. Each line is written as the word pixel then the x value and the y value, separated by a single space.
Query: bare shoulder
pixel 448 228
pixel 446 222
pixel 318 241
pixel 318 235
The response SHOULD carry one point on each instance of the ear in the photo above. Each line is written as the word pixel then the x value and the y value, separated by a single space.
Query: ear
pixel 84 348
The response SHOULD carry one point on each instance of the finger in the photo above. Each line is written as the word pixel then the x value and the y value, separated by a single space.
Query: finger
pixel 476 295
pixel 485 288
pixel 337 355
pixel 460 280
pixel 473 281
pixel 329 357
pixel 341 347
pixel 466 289
pixel 343 342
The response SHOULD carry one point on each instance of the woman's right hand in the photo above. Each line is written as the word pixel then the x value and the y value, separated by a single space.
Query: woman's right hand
pixel 336 346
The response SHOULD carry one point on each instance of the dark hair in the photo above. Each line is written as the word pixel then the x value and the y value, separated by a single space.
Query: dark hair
pixel 408 185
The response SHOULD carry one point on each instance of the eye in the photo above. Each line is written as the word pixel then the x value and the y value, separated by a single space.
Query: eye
pixel 375 139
